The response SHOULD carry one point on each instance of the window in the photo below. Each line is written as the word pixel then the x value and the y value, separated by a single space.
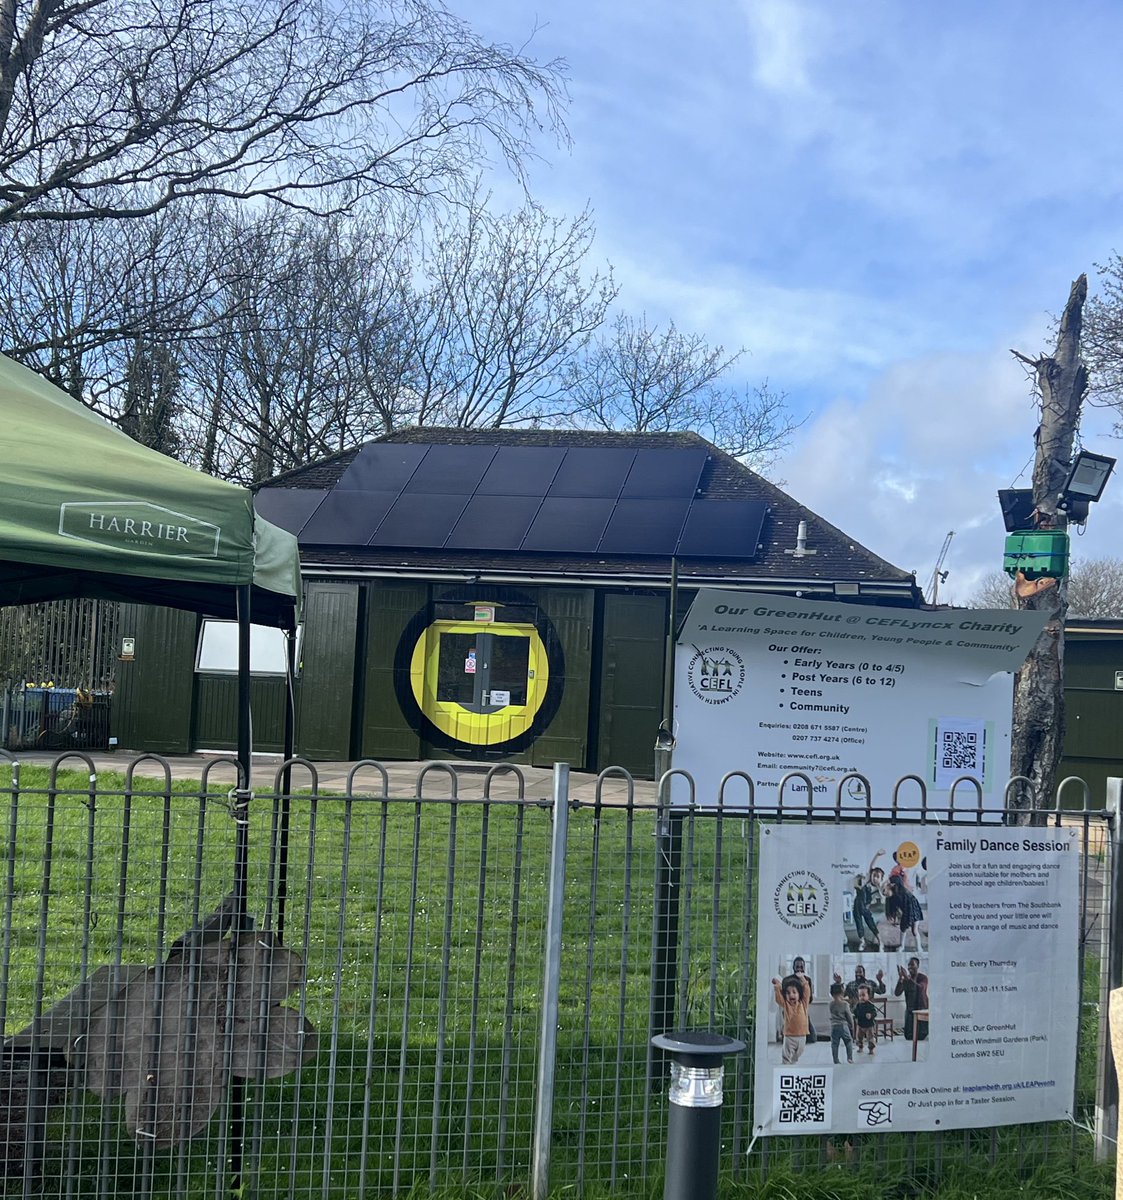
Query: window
pixel 508 663
pixel 218 649
pixel 456 668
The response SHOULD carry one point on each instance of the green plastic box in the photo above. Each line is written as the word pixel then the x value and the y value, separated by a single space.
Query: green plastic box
pixel 1037 554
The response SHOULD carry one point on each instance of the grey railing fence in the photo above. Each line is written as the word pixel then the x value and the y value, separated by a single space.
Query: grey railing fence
pixel 377 1026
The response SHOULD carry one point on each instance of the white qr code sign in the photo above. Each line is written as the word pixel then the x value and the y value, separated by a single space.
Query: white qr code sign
pixel 960 748
pixel 802 1100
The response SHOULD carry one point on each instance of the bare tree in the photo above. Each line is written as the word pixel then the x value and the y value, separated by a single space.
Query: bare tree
pixel 263 364
pixel 640 378
pixel 506 310
pixel 1095 589
pixel 1061 380
pixel 151 397
pixel 994 590
pixel 119 107
pixel 1103 338
pixel 75 299
pixel 308 350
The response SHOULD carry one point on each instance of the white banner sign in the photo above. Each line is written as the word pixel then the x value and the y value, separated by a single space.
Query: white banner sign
pixel 915 977
pixel 767 686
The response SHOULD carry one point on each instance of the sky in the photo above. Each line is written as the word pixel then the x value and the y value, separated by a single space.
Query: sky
pixel 877 200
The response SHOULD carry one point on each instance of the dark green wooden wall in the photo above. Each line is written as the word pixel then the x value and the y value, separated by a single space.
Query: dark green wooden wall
pixel 1093 712
pixel 347 706
pixel 216 713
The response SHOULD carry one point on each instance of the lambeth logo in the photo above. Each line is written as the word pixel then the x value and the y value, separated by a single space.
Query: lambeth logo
pixel 715 674
pixel 139 526
pixel 801 899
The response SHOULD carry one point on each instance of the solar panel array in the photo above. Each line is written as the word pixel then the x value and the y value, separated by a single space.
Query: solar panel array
pixel 562 500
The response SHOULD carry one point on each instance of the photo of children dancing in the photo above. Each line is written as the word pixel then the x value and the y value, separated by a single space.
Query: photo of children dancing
pixel 832 1010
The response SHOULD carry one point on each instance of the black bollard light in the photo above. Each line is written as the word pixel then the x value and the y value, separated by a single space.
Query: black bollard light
pixel 694 1126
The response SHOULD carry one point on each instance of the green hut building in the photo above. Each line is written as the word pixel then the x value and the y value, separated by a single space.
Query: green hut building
pixel 499 594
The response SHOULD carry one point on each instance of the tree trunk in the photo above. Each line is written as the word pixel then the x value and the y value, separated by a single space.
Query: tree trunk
pixel 1039 714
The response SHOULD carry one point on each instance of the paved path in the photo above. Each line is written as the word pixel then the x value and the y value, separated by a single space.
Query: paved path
pixel 537 782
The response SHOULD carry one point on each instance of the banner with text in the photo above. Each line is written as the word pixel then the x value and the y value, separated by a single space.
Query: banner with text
pixel 768 685
pixel 915 977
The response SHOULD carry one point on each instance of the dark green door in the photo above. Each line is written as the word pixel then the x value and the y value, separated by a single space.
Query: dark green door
pixel 631 683
pixel 566 738
pixel 153 700
pixel 327 675
pixel 385 732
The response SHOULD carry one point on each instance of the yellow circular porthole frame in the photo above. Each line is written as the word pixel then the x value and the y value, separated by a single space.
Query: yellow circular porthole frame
pixel 462 724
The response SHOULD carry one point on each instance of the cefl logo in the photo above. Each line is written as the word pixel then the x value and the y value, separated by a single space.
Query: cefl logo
pixel 801 899
pixel 139 525
pixel 715 674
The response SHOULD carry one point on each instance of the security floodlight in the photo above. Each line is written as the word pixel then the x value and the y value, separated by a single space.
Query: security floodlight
pixel 1017 508
pixel 1086 481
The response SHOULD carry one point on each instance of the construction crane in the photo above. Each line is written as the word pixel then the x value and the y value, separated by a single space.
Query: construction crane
pixel 939 576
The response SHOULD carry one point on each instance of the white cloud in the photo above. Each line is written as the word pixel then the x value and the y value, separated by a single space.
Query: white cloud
pixel 782 44
pixel 924 452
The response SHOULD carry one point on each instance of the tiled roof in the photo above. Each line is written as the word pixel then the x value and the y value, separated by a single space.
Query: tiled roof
pixel 836 557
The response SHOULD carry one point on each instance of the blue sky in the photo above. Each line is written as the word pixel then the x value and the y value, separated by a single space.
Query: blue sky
pixel 877 200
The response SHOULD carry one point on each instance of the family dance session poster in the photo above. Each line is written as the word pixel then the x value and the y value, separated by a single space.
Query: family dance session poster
pixel 915 977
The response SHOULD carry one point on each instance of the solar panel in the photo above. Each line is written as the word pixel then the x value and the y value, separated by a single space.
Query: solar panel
pixel 722 529
pixel 665 474
pixel 346 518
pixel 494 523
pixel 592 472
pixel 521 471
pixel 288 507
pixel 580 499
pixel 644 527
pixel 382 467
pixel 569 524
pixel 451 470
pixel 421 521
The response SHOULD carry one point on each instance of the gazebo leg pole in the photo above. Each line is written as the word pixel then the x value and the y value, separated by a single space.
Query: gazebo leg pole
pixel 241 871
pixel 286 785
pixel 244 730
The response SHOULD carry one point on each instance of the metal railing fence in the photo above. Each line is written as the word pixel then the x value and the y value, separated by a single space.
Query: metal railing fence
pixel 54 719
pixel 378 1027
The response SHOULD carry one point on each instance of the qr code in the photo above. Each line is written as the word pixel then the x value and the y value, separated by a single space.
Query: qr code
pixel 803 1099
pixel 961 750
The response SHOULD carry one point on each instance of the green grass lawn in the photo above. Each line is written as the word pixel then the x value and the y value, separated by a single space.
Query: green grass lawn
pixel 426 1066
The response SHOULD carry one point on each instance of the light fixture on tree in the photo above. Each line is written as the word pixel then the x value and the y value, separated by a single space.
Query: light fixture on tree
pixel 1017 508
pixel 1036 555
pixel 1087 478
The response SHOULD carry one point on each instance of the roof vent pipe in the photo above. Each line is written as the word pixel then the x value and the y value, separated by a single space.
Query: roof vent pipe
pixel 801 550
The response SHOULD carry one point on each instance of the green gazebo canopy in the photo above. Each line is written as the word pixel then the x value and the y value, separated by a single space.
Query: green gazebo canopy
pixel 87 511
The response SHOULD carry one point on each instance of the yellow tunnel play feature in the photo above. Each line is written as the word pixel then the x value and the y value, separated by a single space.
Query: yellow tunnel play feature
pixel 480 684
